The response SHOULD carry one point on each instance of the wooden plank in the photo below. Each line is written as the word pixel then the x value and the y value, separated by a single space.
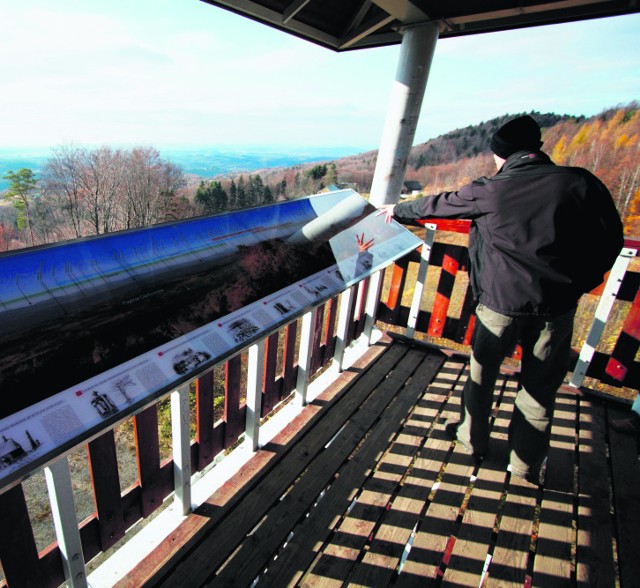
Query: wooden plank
pixel 594 552
pixel 233 492
pixel 414 505
pixel 232 416
pixel 508 566
pixel 506 562
pixel 553 555
pixel 103 469
pixel 18 552
pixel 145 427
pixel 626 500
pixel 356 511
pixel 210 552
pixel 396 289
pixel 204 420
pixel 472 546
pixel 257 552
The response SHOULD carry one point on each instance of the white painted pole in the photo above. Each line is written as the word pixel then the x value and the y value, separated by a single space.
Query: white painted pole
pixel 344 317
pixel 429 238
pixel 371 305
pixel 304 356
pixel 255 373
pixel 601 317
pixel 181 439
pixel 65 521
pixel 416 54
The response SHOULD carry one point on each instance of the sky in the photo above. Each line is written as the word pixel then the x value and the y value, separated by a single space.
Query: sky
pixel 181 73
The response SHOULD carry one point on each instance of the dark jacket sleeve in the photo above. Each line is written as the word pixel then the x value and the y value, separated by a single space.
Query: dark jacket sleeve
pixel 460 204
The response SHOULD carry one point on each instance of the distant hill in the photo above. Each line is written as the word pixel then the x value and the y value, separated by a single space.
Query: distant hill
pixel 608 144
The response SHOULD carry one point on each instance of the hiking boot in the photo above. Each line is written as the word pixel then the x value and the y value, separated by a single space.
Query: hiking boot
pixel 451 428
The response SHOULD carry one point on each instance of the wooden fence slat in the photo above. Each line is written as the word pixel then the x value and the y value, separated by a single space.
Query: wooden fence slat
pixel 204 420
pixel 232 414
pixel 145 426
pixel 444 289
pixel 625 350
pixel 289 369
pixel 394 298
pixel 330 336
pixel 18 552
pixel 103 468
pixel 316 357
pixel 270 394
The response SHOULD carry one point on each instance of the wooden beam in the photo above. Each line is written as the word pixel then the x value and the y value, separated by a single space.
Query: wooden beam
pixel 367 28
pixel 293 9
pixel 403 10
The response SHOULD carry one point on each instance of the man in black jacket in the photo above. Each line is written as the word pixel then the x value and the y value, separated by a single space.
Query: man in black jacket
pixel 541 236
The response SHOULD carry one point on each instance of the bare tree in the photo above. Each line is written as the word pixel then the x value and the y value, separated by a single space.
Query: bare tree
pixel 102 183
pixel 63 181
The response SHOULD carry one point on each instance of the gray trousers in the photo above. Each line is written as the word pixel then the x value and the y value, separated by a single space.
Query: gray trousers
pixel 546 343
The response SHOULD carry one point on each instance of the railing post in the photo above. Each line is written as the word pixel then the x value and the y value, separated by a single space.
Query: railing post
pixel 603 310
pixel 65 521
pixel 304 356
pixel 343 327
pixel 371 304
pixel 254 393
pixel 429 238
pixel 181 437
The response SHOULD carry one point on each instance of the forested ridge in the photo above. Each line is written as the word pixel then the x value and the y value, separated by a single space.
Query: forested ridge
pixel 82 192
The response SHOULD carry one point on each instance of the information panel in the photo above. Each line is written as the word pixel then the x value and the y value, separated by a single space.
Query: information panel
pixel 94 328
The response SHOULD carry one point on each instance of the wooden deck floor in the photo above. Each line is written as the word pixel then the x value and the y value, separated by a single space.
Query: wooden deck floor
pixel 366 489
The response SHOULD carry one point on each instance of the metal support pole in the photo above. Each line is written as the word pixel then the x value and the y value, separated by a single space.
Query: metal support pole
pixel 181 437
pixel 416 54
pixel 65 521
pixel 255 373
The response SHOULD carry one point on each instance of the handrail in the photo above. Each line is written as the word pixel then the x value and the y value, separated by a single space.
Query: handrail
pixel 321 342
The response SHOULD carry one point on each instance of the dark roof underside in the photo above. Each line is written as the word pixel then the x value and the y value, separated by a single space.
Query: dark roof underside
pixel 355 24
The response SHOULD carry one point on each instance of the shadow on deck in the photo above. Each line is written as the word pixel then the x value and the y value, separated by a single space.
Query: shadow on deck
pixel 365 488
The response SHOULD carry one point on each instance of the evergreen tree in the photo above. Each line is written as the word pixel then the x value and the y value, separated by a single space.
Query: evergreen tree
pixel 22 187
pixel 241 197
pixel 233 195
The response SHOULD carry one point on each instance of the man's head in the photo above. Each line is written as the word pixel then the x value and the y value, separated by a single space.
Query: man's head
pixel 519 134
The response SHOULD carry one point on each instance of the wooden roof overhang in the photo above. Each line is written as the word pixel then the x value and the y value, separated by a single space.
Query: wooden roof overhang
pixel 357 24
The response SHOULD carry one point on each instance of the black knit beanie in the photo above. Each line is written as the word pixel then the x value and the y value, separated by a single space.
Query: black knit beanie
pixel 522 133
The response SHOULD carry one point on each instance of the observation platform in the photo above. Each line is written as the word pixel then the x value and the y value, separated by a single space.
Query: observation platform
pixel 365 488
pixel 359 485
